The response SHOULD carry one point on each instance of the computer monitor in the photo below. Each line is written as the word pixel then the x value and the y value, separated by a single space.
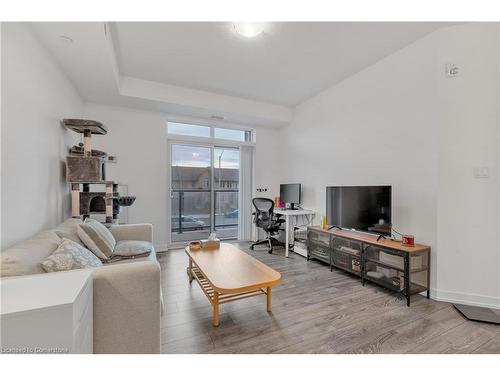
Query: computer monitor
pixel 291 193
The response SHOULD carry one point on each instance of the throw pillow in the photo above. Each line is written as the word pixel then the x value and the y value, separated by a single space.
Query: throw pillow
pixel 97 238
pixel 70 256
pixel 131 249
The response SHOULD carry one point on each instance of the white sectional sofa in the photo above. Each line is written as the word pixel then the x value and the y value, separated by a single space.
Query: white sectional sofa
pixel 127 294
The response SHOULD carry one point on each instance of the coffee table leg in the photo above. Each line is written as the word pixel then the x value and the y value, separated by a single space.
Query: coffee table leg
pixel 268 295
pixel 216 309
pixel 190 270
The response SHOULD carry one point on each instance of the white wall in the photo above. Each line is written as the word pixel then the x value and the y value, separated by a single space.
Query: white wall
pixel 401 122
pixel 268 153
pixel 36 95
pixel 373 129
pixel 468 251
pixel 139 141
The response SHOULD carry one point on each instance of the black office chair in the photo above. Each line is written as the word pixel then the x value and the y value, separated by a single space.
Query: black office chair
pixel 264 218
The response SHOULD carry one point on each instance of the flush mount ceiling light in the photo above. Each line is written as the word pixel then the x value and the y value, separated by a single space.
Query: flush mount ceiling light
pixel 249 29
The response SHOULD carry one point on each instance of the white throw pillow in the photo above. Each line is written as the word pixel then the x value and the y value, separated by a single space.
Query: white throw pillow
pixel 70 256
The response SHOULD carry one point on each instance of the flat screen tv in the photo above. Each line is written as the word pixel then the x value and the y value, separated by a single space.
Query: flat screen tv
pixel 363 208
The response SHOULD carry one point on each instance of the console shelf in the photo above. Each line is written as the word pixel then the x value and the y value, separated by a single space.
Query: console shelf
pixel 387 263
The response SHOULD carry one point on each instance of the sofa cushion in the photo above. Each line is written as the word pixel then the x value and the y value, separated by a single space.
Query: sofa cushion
pixel 97 238
pixel 68 229
pixel 150 257
pixel 69 225
pixel 70 236
pixel 70 256
pixel 24 257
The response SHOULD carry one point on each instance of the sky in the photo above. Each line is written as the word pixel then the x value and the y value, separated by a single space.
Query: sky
pixel 198 156
pixel 204 131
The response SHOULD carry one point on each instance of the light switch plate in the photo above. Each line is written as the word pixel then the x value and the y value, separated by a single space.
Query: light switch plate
pixel 481 172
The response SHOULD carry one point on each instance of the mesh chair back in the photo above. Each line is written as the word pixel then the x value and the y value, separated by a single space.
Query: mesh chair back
pixel 264 214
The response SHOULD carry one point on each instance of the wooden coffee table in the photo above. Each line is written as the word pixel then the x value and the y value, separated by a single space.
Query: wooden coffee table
pixel 229 274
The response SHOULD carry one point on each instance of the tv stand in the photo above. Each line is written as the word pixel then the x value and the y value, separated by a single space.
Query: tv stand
pixel 385 262
pixel 380 236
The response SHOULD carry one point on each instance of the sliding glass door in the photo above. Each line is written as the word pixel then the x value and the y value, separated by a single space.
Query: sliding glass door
pixel 226 191
pixel 204 191
pixel 191 192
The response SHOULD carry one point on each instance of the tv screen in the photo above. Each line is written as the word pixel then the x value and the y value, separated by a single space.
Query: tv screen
pixel 364 208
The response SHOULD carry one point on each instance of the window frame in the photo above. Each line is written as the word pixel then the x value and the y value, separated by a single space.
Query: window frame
pixel 206 127
pixel 245 132
pixel 211 139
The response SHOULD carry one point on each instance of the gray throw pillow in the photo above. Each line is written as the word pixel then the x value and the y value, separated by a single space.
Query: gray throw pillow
pixel 97 238
pixel 131 249
pixel 70 256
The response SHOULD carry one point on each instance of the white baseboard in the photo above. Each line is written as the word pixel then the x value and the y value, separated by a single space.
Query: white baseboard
pixel 466 298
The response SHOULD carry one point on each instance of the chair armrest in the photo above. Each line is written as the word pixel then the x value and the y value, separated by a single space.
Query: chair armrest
pixel 127 308
pixel 134 232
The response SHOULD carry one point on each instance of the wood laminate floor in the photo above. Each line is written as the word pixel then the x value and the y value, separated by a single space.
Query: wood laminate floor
pixel 314 311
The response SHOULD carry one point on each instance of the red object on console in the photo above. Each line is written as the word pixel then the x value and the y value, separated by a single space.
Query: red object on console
pixel 408 240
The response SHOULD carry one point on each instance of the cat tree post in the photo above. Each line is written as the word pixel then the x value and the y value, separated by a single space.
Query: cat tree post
pixel 75 200
pixel 87 142
pixel 109 202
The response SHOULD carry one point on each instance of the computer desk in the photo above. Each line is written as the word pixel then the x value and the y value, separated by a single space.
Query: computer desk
pixel 287 214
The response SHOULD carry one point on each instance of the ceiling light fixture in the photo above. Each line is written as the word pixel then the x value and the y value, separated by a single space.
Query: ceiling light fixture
pixel 249 29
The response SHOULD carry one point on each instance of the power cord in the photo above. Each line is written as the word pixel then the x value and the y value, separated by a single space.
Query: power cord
pixel 395 231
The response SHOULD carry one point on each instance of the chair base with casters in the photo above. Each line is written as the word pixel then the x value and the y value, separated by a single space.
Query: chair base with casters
pixel 271 241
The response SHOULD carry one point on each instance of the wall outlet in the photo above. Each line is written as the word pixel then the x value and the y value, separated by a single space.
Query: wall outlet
pixel 481 172
pixel 452 70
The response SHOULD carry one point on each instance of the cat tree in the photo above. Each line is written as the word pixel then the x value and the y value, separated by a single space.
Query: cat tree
pixel 86 167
